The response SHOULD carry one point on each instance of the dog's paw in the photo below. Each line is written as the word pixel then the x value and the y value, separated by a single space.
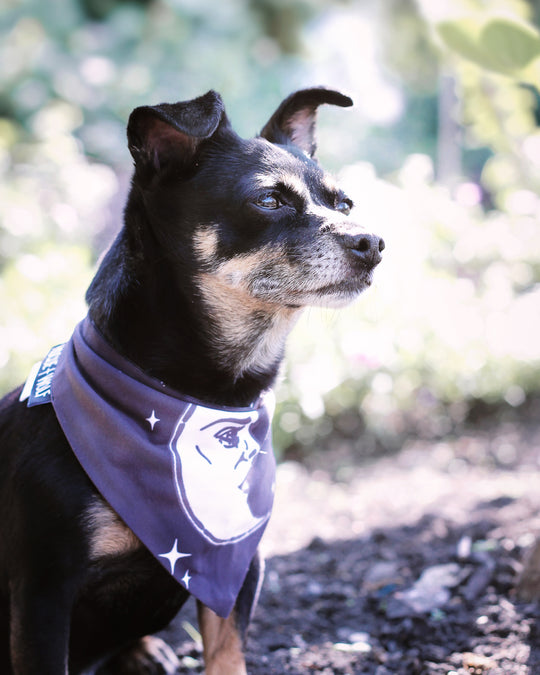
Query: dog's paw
pixel 149 656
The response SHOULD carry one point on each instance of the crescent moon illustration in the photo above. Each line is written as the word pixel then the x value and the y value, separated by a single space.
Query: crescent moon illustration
pixel 215 457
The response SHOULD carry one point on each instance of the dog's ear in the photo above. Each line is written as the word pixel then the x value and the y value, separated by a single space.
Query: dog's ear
pixel 294 120
pixel 171 132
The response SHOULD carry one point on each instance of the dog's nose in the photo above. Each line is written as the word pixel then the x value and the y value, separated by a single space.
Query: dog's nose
pixel 367 247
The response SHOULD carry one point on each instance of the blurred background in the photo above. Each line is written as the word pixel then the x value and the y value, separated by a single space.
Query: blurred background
pixel 441 154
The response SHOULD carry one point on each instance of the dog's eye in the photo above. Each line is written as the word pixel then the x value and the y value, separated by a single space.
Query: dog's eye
pixel 344 206
pixel 269 201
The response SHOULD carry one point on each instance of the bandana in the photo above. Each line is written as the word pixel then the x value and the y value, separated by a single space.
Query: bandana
pixel 195 483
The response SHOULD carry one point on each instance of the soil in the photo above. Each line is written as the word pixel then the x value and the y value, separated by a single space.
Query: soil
pixel 410 565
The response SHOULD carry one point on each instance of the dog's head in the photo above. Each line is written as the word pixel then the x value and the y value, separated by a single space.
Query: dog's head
pixel 254 221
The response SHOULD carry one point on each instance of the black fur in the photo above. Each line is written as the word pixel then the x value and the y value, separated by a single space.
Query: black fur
pixel 200 289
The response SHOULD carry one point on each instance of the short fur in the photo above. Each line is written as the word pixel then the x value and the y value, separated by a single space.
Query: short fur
pixel 225 241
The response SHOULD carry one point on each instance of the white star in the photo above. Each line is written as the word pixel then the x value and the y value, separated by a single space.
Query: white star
pixel 173 555
pixel 186 579
pixel 152 419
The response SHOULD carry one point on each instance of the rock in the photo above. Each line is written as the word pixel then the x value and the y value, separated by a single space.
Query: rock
pixel 479 580
pixel 353 647
pixel 477 662
pixel 430 592
pixel 464 547
pixel 381 574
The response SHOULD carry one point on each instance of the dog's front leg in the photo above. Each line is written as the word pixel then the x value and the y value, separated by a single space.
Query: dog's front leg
pixel 222 643
pixel 223 639
pixel 39 628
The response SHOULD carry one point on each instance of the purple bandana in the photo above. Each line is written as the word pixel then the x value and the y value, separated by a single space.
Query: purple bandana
pixel 194 483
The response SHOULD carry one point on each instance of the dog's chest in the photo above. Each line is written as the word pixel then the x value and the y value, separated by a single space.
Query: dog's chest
pixel 126 590
pixel 108 534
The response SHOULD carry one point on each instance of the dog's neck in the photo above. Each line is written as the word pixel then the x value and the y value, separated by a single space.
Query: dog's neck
pixel 215 348
pixel 246 335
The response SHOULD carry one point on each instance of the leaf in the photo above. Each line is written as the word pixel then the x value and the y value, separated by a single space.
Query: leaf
pixel 500 43
pixel 510 44
pixel 463 37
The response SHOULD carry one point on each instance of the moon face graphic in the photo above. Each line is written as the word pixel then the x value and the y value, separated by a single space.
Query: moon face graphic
pixel 217 465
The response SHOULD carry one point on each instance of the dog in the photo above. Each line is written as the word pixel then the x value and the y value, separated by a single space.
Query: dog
pixel 224 242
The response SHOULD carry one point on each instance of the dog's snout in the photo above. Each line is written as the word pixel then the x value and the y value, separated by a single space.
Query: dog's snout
pixel 367 247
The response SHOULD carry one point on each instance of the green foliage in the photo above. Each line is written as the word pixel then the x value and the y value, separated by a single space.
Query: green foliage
pixel 41 299
pixel 137 53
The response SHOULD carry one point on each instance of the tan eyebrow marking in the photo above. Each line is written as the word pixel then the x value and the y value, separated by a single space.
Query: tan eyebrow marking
pixel 289 181
pixel 205 242
pixel 331 184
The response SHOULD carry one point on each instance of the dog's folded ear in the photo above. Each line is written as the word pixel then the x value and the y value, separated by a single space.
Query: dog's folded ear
pixel 171 132
pixel 294 120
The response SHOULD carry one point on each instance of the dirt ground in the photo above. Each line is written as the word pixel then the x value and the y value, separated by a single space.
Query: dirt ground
pixel 404 566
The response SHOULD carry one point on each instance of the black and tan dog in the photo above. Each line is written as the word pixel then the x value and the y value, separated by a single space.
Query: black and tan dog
pixel 225 241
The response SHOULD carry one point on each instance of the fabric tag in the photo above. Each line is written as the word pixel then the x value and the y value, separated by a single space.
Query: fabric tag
pixel 40 391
